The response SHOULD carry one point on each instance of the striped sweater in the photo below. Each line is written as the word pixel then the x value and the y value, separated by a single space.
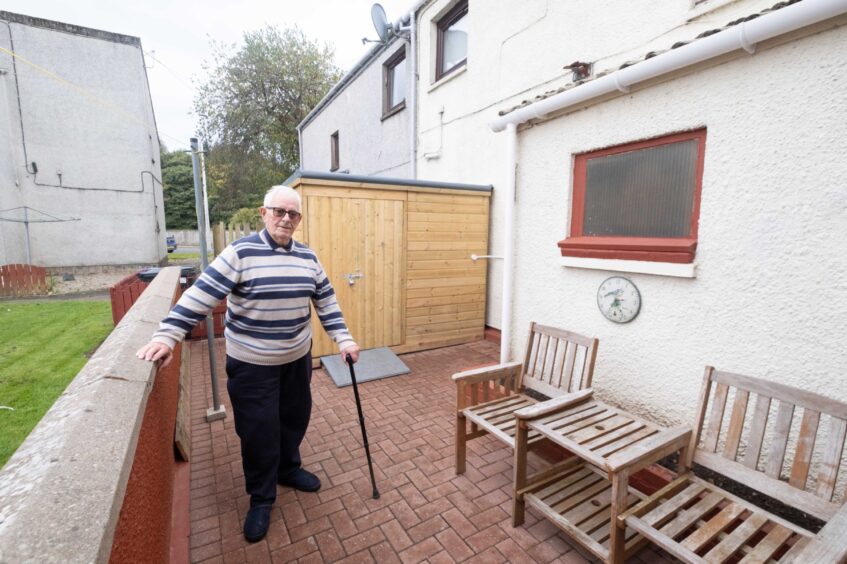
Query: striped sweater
pixel 269 289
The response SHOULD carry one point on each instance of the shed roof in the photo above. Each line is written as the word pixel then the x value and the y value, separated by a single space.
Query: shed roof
pixel 336 176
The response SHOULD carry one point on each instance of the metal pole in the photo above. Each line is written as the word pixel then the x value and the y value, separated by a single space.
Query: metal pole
pixel 217 410
pixel 205 195
pixel 26 228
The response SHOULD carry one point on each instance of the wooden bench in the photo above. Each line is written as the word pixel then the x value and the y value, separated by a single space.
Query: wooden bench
pixel 556 363
pixel 780 441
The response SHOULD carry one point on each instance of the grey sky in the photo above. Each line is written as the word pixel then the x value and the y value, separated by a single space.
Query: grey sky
pixel 175 37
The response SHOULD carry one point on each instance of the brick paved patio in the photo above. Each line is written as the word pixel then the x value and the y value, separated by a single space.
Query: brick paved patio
pixel 425 512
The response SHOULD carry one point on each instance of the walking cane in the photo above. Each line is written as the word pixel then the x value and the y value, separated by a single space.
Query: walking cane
pixel 362 424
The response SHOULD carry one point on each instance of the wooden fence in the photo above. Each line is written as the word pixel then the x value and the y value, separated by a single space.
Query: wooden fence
pixel 125 293
pixel 18 280
pixel 223 235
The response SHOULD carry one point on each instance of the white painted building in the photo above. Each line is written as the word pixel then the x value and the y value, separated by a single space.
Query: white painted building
pixel 375 138
pixel 737 257
pixel 79 144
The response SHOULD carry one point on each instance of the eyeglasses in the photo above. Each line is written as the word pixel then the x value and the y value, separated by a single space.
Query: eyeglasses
pixel 280 212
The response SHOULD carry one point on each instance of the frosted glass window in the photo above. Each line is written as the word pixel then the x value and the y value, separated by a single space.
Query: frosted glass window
pixel 455 43
pixel 397 83
pixel 642 193
pixel 452 40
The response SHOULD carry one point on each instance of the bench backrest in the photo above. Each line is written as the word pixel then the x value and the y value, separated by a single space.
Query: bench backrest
pixel 782 441
pixel 558 361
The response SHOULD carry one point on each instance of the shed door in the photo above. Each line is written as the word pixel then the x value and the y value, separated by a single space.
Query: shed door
pixel 361 239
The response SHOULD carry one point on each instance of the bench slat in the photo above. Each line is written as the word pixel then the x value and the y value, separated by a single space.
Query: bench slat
pixel 782 427
pixel 663 541
pixel 583 511
pixel 805 446
pixel 581 496
pixel 796 549
pixel 802 500
pixel 567 479
pixel 736 539
pixel 603 440
pixel 713 527
pixel 544 359
pixel 591 480
pixel 599 429
pixel 588 410
pixel 757 431
pixel 736 424
pixel 713 431
pixel 625 441
pixel 831 458
pixel 772 542
pixel 803 398
pixel 601 522
pixel 588 422
pixel 688 517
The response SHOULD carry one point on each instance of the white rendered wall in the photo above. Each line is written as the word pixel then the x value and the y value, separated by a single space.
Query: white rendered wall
pixel 517 50
pixel 89 127
pixel 368 145
pixel 771 275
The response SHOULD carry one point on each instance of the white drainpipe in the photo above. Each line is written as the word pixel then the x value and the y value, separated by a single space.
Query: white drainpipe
pixel 300 147
pixel 413 68
pixel 509 243
pixel 742 36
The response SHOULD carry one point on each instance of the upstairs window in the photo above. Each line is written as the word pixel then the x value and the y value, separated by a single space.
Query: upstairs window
pixel 639 201
pixel 452 40
pixel 394 84
pixel 333 148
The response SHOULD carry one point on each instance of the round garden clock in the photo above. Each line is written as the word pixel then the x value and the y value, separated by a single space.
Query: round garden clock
pixel 618 299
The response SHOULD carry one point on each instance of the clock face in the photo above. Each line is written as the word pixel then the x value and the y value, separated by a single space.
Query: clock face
pixel 618 299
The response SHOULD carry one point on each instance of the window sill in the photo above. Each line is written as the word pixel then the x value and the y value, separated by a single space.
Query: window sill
pixel 677 270
pixel 395 110
pixel 447 78
pixel 649 249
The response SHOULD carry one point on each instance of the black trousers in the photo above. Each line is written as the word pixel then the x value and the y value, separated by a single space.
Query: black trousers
pixel 271 406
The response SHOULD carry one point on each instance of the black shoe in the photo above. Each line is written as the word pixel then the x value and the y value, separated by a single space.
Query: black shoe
pixel 302 480
pixel 256 523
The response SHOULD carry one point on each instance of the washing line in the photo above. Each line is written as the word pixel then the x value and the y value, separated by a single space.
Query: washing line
pixel 26 221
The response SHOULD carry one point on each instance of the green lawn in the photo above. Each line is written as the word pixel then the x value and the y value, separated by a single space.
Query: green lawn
pixel 184 256
pixel 42 347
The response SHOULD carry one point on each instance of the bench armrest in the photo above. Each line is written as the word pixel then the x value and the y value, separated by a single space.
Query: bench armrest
pixel 649 451
pixel 553 405
pixel 830 544
pixel 487 373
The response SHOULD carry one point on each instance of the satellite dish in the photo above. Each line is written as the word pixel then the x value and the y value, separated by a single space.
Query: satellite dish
pixel 380 22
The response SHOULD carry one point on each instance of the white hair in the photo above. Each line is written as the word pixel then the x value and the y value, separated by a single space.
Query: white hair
pixel 281 190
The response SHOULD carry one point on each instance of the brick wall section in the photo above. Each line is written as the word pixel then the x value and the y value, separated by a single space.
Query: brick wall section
pixel 127 291
pixel 143 530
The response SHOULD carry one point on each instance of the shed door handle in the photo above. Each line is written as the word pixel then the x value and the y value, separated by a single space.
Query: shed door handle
pixel 351 276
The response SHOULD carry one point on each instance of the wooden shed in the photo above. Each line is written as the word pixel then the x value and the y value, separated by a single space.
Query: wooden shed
pixel 398 253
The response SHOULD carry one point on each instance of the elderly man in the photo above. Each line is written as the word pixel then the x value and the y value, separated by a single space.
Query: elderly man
pixel 270 279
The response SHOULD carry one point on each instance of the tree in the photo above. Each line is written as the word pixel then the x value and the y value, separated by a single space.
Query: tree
pixel 178 188
pixel 246 216
pixel 248 107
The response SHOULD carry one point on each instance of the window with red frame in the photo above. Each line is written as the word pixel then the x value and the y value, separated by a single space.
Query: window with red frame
pixel 639 201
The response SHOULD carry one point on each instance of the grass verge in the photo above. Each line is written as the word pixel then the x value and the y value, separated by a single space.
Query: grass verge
pixel 184 256
pixel 42 347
